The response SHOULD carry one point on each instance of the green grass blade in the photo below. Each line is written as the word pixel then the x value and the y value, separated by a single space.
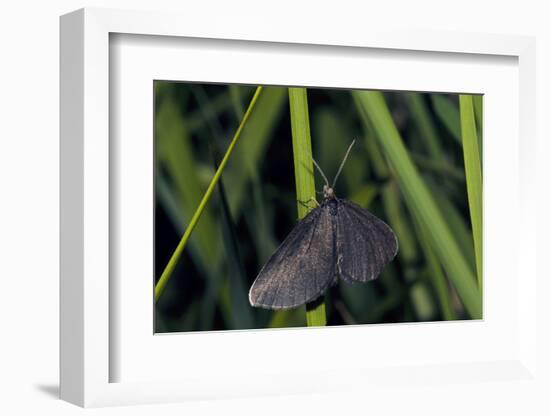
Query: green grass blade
pixel 170 203
pixel 437 276
pixel 287 318
pixel 257 134
pixel 439 167
pixel 316 314
pixel 305 182
pixel 243 177
pixel 195 120
pixel 373 109
pixel 448 114
pixel 422 119
pixel 332 139
pixel 472 166
pixel 186 185
pixel 175 155
pixel 166 274
pixel 396 218
pixel 364 195
pixel 421 301
pixel 234 92
pixel 456 222
pixel 379 166
pixel 240 308
pixel 478 112
pixel 478 109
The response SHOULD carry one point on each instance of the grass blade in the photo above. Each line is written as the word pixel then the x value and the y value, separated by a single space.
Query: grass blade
pixel 240 308
pixel 365 194
pixel 456 223
pixel 185 187
pixel 397 219
pixel 287 318
pixel 170 203
pixel 175 155
pixel 379 166
pixel 472 166
pixel 234 92
pixel 421 117
pixel 166 274
pixel 331 139
pixel 448 114
pixel 478 112
pixel 373 109
pixel 305 182
pixel 195 120
pixel 437 276
pixel 257 134
pixel 439 167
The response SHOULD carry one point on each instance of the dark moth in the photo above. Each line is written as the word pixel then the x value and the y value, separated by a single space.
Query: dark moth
pixel 337 239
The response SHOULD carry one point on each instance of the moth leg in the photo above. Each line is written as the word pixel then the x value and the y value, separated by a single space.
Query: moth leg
pixel 308 202
pixel 312 199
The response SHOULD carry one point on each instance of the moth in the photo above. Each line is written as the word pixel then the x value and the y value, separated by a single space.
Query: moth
pixel 336 239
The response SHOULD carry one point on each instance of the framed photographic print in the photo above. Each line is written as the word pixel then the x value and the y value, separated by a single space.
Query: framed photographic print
pixel 249 214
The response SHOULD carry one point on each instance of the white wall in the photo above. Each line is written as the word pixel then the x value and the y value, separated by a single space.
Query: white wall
pixel 29 180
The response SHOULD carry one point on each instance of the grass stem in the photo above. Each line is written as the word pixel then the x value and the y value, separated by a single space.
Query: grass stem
pixel 305 181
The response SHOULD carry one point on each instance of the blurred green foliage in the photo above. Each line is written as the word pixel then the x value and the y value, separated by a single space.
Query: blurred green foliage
pixel 254 205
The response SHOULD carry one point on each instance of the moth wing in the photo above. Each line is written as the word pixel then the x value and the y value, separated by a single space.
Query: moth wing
pixel 364 243
pixel 303 266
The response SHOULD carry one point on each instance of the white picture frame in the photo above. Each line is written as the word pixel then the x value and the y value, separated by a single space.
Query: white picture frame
pixel 88 307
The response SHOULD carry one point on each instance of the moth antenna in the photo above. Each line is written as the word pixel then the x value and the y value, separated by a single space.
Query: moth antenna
pixel 320 171
pixel 342 164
